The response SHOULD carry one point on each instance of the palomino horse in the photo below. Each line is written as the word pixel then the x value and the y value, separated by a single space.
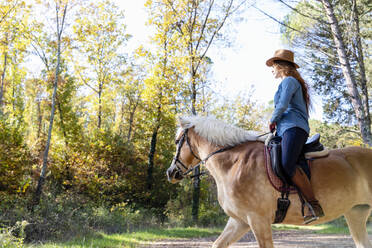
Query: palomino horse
pixel 342 182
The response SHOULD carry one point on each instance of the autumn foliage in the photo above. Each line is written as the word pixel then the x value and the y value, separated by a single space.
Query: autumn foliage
pixel 115 113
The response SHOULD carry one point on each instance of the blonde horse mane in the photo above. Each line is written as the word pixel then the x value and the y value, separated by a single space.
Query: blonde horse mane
pixel 219 132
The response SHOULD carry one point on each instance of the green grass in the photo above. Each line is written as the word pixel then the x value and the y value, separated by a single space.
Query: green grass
pixel 101 240
pixel 330 228
pixel 320 229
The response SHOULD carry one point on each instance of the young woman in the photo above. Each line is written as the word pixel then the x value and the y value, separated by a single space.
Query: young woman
pixel 290 118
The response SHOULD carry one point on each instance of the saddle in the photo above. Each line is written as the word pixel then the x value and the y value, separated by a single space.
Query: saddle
pixel 278 178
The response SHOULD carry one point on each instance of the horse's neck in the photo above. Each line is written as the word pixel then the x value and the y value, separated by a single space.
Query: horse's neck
pixel 223 165
pixel 216 166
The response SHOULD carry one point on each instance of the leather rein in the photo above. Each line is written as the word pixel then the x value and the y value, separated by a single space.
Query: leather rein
pixel 185 171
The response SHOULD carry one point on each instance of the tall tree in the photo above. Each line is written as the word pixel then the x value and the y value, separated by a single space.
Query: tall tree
pixel 198 25
pixel 130 93
pixel 361 109
pixel 332 36
pixel 14 17
pixel 60 16
pixel 101 35
pixel 160 86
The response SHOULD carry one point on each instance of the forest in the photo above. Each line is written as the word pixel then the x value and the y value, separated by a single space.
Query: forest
pixel 87 129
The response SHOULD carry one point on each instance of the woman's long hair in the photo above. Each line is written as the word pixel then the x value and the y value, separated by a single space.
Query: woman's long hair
pixel 288 69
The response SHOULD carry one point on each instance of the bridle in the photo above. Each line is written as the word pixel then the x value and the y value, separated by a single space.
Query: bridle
pixel 184 171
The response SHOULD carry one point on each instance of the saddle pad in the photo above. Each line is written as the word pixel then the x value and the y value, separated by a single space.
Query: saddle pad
pixel 317 154
pixel 274 180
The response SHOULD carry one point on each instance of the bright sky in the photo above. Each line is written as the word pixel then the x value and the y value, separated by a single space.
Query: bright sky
pixel 240 66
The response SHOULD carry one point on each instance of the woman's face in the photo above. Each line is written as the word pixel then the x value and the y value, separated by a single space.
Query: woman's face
pixel 276 72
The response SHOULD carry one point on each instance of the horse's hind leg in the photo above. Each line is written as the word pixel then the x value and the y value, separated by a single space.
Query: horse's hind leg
pixel 356 220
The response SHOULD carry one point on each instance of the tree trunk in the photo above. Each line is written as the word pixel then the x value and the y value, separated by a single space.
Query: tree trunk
pixel 196 191
pixel 99 105
pixel 56 75
pixel 39 118
pixel 360 59
pixel 196 196
pixel 51 120
pixel 150 166
pixel 122 110
pixel 13 97
pixel 193 98
pixel 3 82
pixel 361 115
pixel 131 120
pixel 62 123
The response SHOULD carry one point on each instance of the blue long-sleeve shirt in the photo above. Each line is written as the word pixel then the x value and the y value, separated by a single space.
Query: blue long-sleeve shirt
pixel 290 107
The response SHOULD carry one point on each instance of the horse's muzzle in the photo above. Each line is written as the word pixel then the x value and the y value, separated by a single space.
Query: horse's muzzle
pixel 174 175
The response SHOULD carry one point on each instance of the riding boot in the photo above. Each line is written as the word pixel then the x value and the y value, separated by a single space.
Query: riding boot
pixel 303 184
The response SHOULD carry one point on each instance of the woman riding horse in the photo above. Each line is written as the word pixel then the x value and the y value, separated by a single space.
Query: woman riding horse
pixel 290 118
pixel 235 158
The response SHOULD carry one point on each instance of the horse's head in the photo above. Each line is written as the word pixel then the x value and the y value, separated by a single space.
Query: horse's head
pixel 192 138
pixel 185 158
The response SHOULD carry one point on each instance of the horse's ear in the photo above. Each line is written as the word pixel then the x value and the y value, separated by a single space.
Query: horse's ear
pixel 184 122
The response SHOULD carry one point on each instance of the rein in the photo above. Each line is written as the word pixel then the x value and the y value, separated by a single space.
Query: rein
pixel 203 161
pixel 184 138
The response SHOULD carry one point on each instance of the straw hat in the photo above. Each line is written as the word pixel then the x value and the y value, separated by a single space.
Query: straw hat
pixel 282 54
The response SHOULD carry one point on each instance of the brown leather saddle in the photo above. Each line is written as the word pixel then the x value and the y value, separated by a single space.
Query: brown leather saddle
pixel 274 148
pixel 284 184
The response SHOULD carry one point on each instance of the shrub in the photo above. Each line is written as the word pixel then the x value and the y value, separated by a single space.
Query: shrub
pixel 8 238
pixel 67 216
pixel 211 216
pixel 15 160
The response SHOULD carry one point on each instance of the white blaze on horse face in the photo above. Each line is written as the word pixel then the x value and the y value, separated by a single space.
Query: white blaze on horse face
pixel 179 133
pixel 172 172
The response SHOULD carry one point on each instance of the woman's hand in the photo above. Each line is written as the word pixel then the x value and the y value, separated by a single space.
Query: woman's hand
pixel 272 127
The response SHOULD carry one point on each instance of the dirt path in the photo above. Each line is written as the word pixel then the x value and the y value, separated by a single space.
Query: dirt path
pixel 282 239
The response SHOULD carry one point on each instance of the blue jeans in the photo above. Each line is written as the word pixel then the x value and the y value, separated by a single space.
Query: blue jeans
pixel 293 141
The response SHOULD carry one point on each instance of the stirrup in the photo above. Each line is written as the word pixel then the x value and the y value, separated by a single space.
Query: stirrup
pixel 310 218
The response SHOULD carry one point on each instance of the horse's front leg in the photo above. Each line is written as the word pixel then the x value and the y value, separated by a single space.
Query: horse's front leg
pixel 261 227
pixel 232 232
